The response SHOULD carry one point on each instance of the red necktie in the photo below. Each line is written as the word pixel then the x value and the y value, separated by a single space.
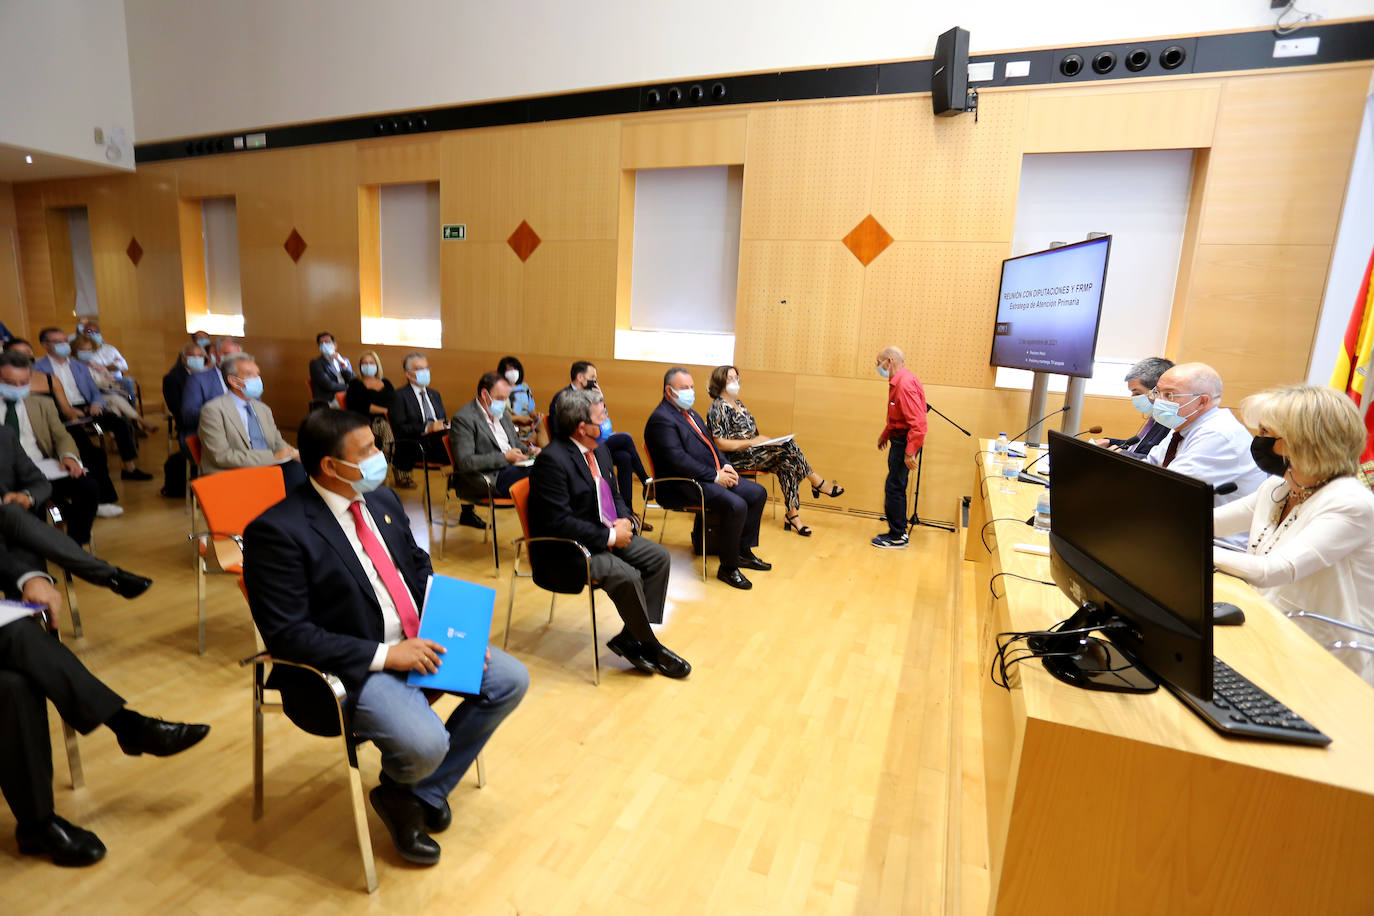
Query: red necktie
pixel 1172 450
pixel 391 577
pixel 605 503
pixel 702 436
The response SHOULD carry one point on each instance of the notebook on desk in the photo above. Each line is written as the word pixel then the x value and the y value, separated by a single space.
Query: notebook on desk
pixel 457 615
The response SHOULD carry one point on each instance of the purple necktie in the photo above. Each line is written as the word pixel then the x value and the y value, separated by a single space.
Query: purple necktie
pixel 605 502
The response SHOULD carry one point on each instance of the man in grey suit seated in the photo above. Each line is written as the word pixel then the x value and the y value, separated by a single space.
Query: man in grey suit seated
pixel 237 429
pixel 486 448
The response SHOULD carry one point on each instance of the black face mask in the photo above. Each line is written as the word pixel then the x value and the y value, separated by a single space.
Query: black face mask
pixel 1262 450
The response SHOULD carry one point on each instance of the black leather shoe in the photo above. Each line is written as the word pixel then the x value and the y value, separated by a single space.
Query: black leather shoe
pixel 162 739
pixel 402 813
pixel 135 474
pixel 63 841
pixel 752 562
pixel 733 577
pixel 437 819
pixel 633 651
pixel 129 585
pixel 471 518
pixel 670 664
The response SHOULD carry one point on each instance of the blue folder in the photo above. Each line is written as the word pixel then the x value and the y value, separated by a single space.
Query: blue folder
pixel 457 615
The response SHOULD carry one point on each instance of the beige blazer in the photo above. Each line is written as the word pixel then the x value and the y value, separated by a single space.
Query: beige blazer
pixel 48 429
pixel 224 440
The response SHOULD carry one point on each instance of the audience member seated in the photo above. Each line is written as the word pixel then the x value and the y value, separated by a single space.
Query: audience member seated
pixel 336 581
pixel 524 411
pixel 571 498
pixel 420 424
pixel 624 452
pixel 49 446
pixel 736 433
pixel 36 668
pixel 1311 524
pixel 371 395
pixel 237 429
pixel 330 372
pixel 40 382
pixel 108 357
pixel 486 449
pixel 206 386
pixel 189 362
pixel 116 399
pixel 1141 379
pixel 680 446
pixel 85 402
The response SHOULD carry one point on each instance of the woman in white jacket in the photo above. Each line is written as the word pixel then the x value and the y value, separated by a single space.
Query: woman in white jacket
pixel 1311 543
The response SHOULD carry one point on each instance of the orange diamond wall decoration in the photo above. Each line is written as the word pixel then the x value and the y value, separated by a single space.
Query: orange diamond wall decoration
pixel 134 251
pixel 867 240
pixel 294 245
pixel 523 241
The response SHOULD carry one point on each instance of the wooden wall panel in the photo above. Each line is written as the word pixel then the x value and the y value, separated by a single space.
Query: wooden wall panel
pixel 808 170
pixel 11 286
pixel 399 160
pixel 937 302
pixel 324 209
pixel 798 306
pixel 481 182
pixel 60 261
pixel 1121 118
pixel 35 265
pixel 1281 157
pixel 677 142
pixel 1278 290
pixel 267 278
pixel 483 301
pixel 571 179
pixel 569 299
pixel 948 179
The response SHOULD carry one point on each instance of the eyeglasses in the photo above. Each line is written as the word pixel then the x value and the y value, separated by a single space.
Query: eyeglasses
pixel 1174 395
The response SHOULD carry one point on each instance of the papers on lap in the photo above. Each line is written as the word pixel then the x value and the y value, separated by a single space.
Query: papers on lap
pixel 10 611
pixel 779 440
pixel 457 615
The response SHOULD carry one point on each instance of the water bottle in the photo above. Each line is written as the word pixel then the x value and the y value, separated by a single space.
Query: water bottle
pixel 1011 468
pixel 1042 511
pixel 999 448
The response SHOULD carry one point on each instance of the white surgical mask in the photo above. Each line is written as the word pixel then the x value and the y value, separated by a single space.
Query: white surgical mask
pixel 513 376
pixel 327 348
pixel 732 389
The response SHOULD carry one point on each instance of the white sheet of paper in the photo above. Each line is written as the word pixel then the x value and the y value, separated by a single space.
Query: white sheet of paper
pixel 10 611
pixel 780 439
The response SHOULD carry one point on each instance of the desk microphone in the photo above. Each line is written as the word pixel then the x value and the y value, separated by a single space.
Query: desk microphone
pixel 1037 423
pixel 1090 431
pixel 1222 489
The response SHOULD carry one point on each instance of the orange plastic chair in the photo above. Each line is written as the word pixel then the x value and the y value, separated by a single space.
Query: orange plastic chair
pixel 520 495
pixel 491 501
pixel 193 447
pixel 339 398
pixel 229 500
pixel 697 508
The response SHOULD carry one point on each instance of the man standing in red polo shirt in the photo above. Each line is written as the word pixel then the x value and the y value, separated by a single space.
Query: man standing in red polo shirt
pixel 906 430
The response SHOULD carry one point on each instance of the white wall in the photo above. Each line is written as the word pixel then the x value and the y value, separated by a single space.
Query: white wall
pixel 203 66
pixel 64 70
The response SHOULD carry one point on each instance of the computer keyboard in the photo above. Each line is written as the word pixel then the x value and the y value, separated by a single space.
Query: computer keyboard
pixel 1239 708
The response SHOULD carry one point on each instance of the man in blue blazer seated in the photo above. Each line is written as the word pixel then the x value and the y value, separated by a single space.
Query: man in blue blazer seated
pixel 203 387
pixel 571 497
pixel 336 581
pixel 680 446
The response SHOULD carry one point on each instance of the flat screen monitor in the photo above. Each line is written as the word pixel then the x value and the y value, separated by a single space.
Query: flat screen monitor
pixel 1133 542
pixel 1048 309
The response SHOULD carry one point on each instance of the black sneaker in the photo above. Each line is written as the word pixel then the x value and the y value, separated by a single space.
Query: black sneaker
pixel 135 474
pixel 890 541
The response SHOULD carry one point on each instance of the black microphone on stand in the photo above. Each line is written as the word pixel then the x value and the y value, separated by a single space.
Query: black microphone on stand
pixel 1033 426
pixel 1090 431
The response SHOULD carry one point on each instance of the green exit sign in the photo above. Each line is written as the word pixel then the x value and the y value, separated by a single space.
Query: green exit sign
pixel 455 232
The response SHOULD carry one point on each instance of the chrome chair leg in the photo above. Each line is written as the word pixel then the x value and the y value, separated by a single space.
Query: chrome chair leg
pixel 257 740
pixel 355 786
pixel 596 645
pixel 73 756
pixel 481 771
pixel 77 630
pixel 510 602
pixel 553 597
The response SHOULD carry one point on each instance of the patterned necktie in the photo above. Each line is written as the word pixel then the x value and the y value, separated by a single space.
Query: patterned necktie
pixel 702 436
pixel 256 439
pixel 12 415
pixel 426 409
pixel 1172 451
pixel 391 577
pixel 605 502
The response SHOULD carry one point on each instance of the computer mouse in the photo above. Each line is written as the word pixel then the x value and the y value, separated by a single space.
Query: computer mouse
pixel 1225 614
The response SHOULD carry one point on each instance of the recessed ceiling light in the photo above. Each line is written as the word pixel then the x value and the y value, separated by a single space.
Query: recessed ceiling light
pixel 28 160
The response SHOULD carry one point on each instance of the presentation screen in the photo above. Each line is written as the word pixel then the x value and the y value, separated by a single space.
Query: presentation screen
pixel 1048 308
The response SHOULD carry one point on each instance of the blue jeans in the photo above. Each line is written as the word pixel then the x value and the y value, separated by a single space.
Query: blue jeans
pixel 894 490
pixel 422 752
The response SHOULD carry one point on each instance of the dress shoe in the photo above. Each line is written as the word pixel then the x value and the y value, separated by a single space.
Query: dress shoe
pixel 437 819
pixel 159 738
pixel 66 843
pixel 135 474
pixel 402 814
pixel 670 664
pixel 749 561
pixel 633 651
pixel 403 483
pixel 733 577
pixel 471 518
pixel 128 585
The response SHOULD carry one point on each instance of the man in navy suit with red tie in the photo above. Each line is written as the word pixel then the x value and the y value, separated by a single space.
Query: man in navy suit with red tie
pixel 680 446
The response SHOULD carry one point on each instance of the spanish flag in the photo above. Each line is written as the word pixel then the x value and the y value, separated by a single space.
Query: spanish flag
pixel 1353 361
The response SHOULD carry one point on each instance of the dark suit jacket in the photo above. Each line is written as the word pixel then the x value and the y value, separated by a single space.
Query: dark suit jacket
pixel 563 504
pixel 17 472
pixel 407 422
pixel 309 594
pixel 554 431
pixel 677 451
pixel 173 387
pixel 201 387
pixel 324 383
pixel 475 451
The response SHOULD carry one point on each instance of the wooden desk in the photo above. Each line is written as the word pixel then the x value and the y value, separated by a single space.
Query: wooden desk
pixel 1121 803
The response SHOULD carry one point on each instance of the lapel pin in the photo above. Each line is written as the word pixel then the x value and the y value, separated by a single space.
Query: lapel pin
pixel 387 519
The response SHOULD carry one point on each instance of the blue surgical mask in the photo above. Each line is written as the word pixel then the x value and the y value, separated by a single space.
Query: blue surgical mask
pixel 368 369
pixel 1141 402
pixel 882 370
pixel 497 408
pixel 202 342
pixel 606 430
pixel 373 469
pixel 1166 411
pixel 195 363
pixel 252 387
pixel 95 336
pixel 685 398
pixel 13 392
pixel 86 355
pixel 422 377
pixel 327 348
pixel 62 350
